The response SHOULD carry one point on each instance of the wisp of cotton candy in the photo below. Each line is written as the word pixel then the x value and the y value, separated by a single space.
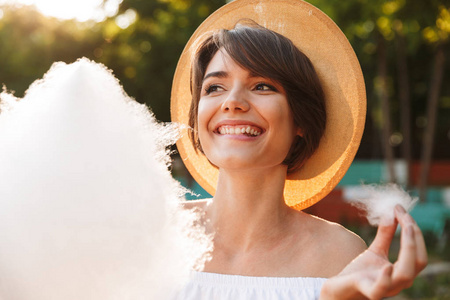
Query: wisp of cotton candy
pixel 88 208
pixel 378 201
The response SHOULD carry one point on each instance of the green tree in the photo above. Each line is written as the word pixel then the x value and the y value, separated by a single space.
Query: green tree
pixel 30 43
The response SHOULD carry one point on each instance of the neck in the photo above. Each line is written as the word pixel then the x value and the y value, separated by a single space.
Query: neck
pixel 248 208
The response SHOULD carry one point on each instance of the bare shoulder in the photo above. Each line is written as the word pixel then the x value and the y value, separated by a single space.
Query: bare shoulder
pixel 345 244
pixel 336 246
pixel 348 245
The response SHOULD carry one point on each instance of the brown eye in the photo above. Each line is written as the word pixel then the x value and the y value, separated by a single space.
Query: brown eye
pixel 265 87
pixel 212 88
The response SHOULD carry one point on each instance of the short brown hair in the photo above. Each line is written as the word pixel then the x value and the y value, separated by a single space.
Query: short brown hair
pixel 268 54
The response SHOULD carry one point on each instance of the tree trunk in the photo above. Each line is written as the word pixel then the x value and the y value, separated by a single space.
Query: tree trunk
pixel 405 101
pixel 428 136
pixel 385 110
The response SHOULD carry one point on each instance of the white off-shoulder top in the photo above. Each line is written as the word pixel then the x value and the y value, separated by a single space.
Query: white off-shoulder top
pixel 211 286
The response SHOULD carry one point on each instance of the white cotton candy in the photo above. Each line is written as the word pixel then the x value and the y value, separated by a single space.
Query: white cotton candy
pixel 379 201
pixel 88 208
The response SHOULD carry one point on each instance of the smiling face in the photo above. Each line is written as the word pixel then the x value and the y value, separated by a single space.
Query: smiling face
pixel 263 54
pixel 244 120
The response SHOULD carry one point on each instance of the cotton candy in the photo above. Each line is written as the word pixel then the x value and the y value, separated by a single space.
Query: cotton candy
pixel 88 208
pixel 378 201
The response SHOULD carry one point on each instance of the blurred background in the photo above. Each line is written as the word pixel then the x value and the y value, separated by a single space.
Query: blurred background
pixel 403 47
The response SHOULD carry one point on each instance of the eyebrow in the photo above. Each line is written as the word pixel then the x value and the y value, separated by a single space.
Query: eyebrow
pixel 218 74
pixel 223 74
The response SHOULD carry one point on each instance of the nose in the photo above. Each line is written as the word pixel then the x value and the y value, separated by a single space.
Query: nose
pixel 236 101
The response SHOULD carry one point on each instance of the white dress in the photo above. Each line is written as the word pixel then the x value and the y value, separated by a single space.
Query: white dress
pixel 211 286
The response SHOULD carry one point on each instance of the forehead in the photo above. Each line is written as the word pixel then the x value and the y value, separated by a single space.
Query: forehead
pixel 222 65
pixel 221 61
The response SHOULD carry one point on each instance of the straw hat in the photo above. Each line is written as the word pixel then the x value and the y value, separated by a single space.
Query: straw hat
pixel 316 35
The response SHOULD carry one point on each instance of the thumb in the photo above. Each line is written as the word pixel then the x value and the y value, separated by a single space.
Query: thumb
pixel 385 234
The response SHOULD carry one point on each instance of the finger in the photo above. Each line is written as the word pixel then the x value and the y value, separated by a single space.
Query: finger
pixel 421 250
pixel 405 267
pixel 402 216
pixel 383 239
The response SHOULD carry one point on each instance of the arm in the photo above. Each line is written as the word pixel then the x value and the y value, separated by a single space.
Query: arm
pixel 371 275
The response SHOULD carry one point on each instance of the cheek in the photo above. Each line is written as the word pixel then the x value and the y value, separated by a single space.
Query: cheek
pixel 279 115
pixel 204 116
pixel 283 121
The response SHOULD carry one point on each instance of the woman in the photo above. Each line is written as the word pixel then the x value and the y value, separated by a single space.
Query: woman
pixel 261 114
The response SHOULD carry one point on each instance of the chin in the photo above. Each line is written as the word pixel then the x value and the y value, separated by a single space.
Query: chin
pixel 234 164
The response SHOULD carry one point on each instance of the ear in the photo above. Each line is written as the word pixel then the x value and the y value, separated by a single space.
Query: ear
pixel 300 132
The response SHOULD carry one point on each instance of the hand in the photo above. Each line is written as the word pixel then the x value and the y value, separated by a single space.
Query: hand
pixel 371 275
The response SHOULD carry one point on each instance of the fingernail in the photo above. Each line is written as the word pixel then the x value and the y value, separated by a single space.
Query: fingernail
pixel 400 209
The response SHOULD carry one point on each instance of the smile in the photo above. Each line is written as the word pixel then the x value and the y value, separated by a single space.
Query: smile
pixel 239 130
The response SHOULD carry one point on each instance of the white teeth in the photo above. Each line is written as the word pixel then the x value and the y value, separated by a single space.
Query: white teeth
pixel 239 130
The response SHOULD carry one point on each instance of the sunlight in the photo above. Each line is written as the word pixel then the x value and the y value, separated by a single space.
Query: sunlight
pixel 80 10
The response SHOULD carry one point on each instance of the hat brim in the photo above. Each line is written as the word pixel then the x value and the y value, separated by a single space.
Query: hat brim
pixel 316 35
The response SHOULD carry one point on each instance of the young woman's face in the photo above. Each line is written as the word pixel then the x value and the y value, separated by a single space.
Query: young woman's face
pixel 244 121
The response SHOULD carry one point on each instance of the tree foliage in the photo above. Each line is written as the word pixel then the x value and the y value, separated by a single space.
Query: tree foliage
pixel 30 43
